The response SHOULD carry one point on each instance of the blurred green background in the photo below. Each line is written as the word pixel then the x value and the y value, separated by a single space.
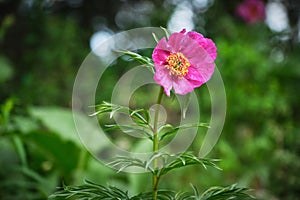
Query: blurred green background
pixel 43 43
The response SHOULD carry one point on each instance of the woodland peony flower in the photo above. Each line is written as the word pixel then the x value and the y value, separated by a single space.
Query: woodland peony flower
pixel 251 11
pixel 184 62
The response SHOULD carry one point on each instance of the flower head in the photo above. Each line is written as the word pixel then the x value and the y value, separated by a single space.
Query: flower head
pixel 251 11
pixel 184 62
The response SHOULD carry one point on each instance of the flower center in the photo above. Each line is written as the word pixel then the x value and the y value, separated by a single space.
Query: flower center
pixel 178 64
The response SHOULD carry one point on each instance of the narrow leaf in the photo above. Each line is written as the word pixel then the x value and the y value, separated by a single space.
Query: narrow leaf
pixel 166 32
pixel 155 37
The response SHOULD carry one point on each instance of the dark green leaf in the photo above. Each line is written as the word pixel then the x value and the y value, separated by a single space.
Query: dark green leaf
pixel 142 59
pixel 20 148
pixel 63 153
pixel 130 128
pixel 169 130
pixel 224 193
pixel 90 191
pixel 183 159
pixel 124 162
pixel 93 191
pixel 139 116
pixel 161 195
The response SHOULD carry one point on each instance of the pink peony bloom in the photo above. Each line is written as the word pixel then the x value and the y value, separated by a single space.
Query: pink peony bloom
pixel 184 62
pixel 251 11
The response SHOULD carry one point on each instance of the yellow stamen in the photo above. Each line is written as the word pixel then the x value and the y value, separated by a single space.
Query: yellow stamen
pixel 178 64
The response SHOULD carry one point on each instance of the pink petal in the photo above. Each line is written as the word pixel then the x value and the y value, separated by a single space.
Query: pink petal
pixel 198 37
pixel 163 78
pixel 205 43
pixel 194 77
pixel 182 86
pixel 195 53
pixel 161 52
pixel 211 48
pixel 188 46
pixel 205 70
pixel 159 56
pixel 176 41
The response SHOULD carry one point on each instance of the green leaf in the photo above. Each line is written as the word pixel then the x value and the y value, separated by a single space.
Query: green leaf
pixel 25 124
pixel 196 192
pixel 166 32
pixel 63 153
pixel 106 107
pixel 169 130
pixel 44 184
pixel 161 195
pixel 214 193
pixel 89 191
pixel 125 162
pixel 6 109
pixel 224 193
pixel 155 37
pixel 6 69
pixel 169 162
pixel 184 159
pixel 58 120
pixel 92 191
pixel 18 143
pixel 139 116
pixel 142 59
pixel 129 129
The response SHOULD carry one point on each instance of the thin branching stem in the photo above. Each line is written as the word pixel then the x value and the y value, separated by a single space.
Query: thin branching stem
pixel 156 143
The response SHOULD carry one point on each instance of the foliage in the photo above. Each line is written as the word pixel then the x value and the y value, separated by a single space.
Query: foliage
pixel 91 190
pixel 168 162
pixel 231 192
pixel 36 155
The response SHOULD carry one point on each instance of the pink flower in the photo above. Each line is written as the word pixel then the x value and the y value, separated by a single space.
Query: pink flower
pixel 251 11
pixel 184 62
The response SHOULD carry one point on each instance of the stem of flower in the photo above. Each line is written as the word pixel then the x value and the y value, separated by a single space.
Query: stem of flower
pixel 156 143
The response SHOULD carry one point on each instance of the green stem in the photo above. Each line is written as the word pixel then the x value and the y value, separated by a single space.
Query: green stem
pixel 156 143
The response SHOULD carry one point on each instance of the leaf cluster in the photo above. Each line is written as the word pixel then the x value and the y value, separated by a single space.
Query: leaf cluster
pixel 140 118
pixel 148 62
pixel 141 121
pixel 167 161
pixel 92 191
